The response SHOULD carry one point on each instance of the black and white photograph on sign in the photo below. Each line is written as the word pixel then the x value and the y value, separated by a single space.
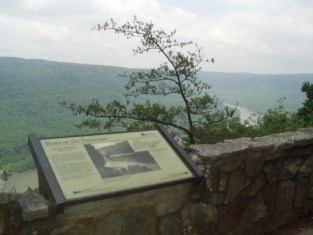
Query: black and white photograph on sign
pixel 114 159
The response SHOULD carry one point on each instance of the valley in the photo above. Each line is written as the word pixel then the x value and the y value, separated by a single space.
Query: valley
pixel 31 92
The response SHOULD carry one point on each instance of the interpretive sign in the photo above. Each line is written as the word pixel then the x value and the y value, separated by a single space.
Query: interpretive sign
pixel 75 169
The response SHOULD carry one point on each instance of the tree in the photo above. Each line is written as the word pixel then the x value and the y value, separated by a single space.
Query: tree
pixel 176 77
pixel 306 111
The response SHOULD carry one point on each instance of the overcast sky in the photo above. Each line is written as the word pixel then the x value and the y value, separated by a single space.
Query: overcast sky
pixel 258 36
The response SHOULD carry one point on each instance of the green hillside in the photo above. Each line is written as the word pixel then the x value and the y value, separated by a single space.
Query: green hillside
pixel 30 93
pixel 31 90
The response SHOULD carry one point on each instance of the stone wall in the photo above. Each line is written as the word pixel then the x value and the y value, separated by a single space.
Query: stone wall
pixel 251 186
pixel 258 185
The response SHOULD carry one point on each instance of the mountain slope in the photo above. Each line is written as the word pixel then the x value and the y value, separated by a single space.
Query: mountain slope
pixel 30 92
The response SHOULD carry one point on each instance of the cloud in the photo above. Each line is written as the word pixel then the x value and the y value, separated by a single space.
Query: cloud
pixel 243 35
pixel 262 39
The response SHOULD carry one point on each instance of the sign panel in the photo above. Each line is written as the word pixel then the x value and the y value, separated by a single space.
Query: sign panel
pixel 83 168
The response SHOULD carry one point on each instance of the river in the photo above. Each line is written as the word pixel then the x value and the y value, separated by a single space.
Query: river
pixel 24 180
pixel 245 113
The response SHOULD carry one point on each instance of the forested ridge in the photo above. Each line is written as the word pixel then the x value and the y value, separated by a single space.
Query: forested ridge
pixel 30 93
pixel 31 90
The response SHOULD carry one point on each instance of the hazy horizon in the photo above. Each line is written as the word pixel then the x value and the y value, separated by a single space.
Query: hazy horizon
pixel 257 36
pixel 119 66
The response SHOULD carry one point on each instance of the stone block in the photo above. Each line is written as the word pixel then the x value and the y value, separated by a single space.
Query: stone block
pixel 306 168
pixel 311 187
pixel 230 216
pixel 254 163
pixel 197 218
pixel 271 169
pixel 229 165
pixel 284 196
pixel 255 211
pixel 301 193
pixel 308 209
pixel 289 168
pixel 302 151
pixel 287 140
pixel 33 206
pixel 212 178
pixel 216 199
pixel 7 198
pixel 141 222
pixel 223 182
pixel 219 151
pixel 256 185
pixel 278 220
pixel 12 219
pixel 170 225
pixel 199 211
pixel 138 221
pixel 2 225
pixel 7 192
pixel 269 194
pixel 112 224
pixel 237 182
pixel 167 207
